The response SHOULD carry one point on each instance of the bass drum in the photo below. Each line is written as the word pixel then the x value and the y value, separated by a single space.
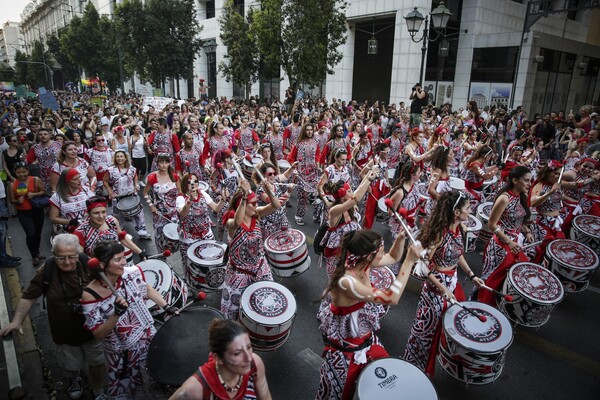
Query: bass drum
pixel 180 346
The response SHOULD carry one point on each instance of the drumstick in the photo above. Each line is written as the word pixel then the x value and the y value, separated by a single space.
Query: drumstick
pixel 239 170
pixel 531 244
pixel 562 170
pixel 506 297
pixel 390 205
pixel 482 318
pixel 260 175
pixel 94 263
pixel 165 253
pixel 199 297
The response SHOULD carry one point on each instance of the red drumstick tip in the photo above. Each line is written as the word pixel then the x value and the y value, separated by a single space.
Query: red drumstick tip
pixel 403 212
pixel 201 296
pixel 482 318
pixel 508 297
pixel 389 203
pixel 122 235
pixel 167 253
pixel 187 163
pixel 219 165
pixel 93 263
pixel 248 157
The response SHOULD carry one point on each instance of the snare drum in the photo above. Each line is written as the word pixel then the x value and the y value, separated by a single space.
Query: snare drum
pixel 283 165
pixel 484 210
pixel 535 294
pixel 572 262
pixel 167 283
pixel 456 183
pixel 248 165
pixel 381 277
pixel 470 350
pixel 473 226
pixel 129 206
pixel 180 345
pixel 586 230
pixel 267 310
pixel 393 379
pixel 489 188
pixel 206 267
pixel 287 252
pixel 171 237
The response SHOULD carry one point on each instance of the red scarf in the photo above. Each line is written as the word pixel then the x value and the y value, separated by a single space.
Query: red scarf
pixel 208 377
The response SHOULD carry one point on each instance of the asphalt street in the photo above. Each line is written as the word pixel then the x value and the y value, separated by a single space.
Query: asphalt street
pixel 560 360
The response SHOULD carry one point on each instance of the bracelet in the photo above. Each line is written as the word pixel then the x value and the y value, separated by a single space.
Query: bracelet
pixel 497 230
pixel 472 277
pixel 396 286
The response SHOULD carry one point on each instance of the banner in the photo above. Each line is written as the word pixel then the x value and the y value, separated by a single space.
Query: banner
pixel 157 102
pixel 7 86
pixel 49 101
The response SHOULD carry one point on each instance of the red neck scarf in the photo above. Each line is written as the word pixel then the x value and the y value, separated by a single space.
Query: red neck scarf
pixel 209 373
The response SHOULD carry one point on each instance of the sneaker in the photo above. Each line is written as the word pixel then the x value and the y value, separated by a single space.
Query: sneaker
pixel 143 234
pixel 142 185
pixel 75 391
pixel 101 397
pixel 299 221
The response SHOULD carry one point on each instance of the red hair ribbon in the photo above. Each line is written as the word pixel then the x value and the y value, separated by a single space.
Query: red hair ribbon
pixel 72 173
pixel 341 191
pixel 553 164
pixel 96 204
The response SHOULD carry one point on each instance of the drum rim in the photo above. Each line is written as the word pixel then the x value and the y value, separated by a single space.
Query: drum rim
pixel 551 275
pixel 477 222
pixel 296 271
pixel 383 267
pixel 404 363
pixel 491 181
pixel 502 319
pixel 480 209
pixel 273 251
pixel 275 321
pixel 578 227
pixel 196 260
pixel 551 255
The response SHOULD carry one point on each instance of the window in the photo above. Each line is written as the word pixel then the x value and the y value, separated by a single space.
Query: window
pixel 210 9
pixel 494 64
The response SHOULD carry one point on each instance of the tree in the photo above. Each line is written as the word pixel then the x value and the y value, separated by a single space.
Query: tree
pixel 310 35
pixel 7 73
pixel 69 70
pixel 21 68
pixel 37 73
pixel 242 64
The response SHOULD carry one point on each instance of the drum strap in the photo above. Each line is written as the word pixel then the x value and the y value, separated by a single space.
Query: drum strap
pixel 93 293
pixel 359 347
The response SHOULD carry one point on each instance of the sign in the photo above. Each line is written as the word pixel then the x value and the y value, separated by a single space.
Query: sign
pixel 98 101
pixel 49 101
pixel 158 92
pixel 21 91
pixel 157 102
pixel 143 89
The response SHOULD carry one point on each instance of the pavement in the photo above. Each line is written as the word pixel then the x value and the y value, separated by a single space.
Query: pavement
pixel 560 360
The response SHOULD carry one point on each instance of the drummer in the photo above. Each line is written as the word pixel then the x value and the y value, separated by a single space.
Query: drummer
pixel 442 160
pixel 584 169
pixel 351 310
pixel 335 142
pixel 380 185
pixel 247 261
pixel 277 220
pixel 405 195
pixel 442 236
pixel 246 138
pixel 121 181
pixel 508 222
pixel 193 208
pixel 188 158
pixel 224 176
pixel 476 172
pixel 232 371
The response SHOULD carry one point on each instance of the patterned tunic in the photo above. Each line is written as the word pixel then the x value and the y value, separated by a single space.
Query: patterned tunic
pixel 122 180
pixel 306 153
pixel 216 143
pixel 191 157
pixel 165 196
pixel 247 138
pixel 89 235
pixel 422 345
pixel 276 141
pixel 335 174
pixel 228 179
pixel 395 152
pixel 247 264
pixel 100 160
pixel 333 239
pixel 547 226
pixel 350 342
pixel 290 135
pixel 162 143
pixel 81 167
pixel 126 346
pixel 46 156
pixel 74 206
pixel 412 202
pixel 277 220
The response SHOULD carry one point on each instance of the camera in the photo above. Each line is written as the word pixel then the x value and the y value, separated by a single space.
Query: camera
pixel 75 308
pixel 414 88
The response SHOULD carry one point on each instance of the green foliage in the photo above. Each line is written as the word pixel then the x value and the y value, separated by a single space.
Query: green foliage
pixel 7 73
pixel 242 63
pixel 21 68
pixel 37 74
pixel 68 68
pixel 266 33
pixel 160 38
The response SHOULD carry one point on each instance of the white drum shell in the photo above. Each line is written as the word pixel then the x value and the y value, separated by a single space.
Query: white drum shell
pixel 287 262
pixel 473 230
pixel 129 206
pixel 586 230
pixel 171 236
pixel 483 214
pixel 206 273
pixel 574 276
pixel 526 283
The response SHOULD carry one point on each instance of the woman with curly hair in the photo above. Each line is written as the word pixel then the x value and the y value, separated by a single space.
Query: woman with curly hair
pixel 224 178
pixel 476 172
pixel 351 310
pixel 67 159
pixel 442 160
pixel 442 236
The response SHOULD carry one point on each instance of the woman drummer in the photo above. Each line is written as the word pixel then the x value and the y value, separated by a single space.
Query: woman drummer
pixel 405 195
pixel 164 186
pixel 121 181
pixel 380 185
pixel 342 215
pixel 68 203
pixel 247 261
pixel 277 220
pixel 351 310
pixel 442 235
pixel 571 197
pixel 193 206
pixel 442 160
pixel 122 320
pixel 99 226
pixel 508 222
pixel 476 172
pixel 68 159
pixel 232 371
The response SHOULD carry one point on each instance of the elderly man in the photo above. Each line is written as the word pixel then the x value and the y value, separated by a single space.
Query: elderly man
pixel 61 281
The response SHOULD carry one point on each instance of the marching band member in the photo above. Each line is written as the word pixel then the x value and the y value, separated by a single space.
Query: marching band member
pixel 100 158
pixel 187 160
pixel 224 177
pixel 442 160
pixel 476 172
pixel 441 234
pixel 277 220
pixel 247 261
pixel 68 159
pixel 336 142
pixel 351 310
pixel 380 186
pixel 45 153
pixel 163 141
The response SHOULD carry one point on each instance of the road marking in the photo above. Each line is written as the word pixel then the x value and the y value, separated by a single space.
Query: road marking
pixel 311 358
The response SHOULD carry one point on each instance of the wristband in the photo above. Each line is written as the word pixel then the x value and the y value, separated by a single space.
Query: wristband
pixel 472 277
pixel 396 286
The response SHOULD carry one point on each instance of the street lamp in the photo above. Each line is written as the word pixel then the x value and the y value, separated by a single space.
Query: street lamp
pixel 210 49
pixel 439 19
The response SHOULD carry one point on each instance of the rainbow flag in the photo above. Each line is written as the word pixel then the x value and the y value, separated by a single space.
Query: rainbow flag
pixel 4 115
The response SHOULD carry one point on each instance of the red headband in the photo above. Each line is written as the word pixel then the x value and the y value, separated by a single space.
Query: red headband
pixel 251 197
pixel 96 204
pixel 72 173
pixel 588 159
pixel 341 191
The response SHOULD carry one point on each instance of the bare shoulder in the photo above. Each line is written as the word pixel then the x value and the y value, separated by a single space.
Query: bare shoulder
pixel 190 390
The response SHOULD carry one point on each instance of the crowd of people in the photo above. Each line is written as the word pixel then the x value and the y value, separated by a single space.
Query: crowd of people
pixel 227 170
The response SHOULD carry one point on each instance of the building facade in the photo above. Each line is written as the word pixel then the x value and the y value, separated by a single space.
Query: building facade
pixel 11 41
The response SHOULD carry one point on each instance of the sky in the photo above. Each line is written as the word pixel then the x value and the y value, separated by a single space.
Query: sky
pixel 10 10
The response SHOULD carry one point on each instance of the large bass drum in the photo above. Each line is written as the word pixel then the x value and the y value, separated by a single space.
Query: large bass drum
pixel 586 230
pixel 572 262
pixel 180 346
pixel 287 252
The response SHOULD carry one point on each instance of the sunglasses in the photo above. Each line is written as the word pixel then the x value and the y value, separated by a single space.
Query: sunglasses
pixel 100 141
pixel 192 182
pixel 269 173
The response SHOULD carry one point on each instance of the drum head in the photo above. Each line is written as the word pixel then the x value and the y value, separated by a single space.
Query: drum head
pixel 268 303
pixel 170 231
pixel 484 210
pixel 572 254
pixel 180 346
pixel 159 275
pixel 207 252
pixel 536 283
pixel 381 204
pixel 473 224
pixel 256 159
pixel 495 334
pixel 491 181
pixel 589 224
pixel 283 164
pixel 128 203
pixel 456 183
pixel 393 379
pixel 381 277
pixel 285 241
pixel 203 186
